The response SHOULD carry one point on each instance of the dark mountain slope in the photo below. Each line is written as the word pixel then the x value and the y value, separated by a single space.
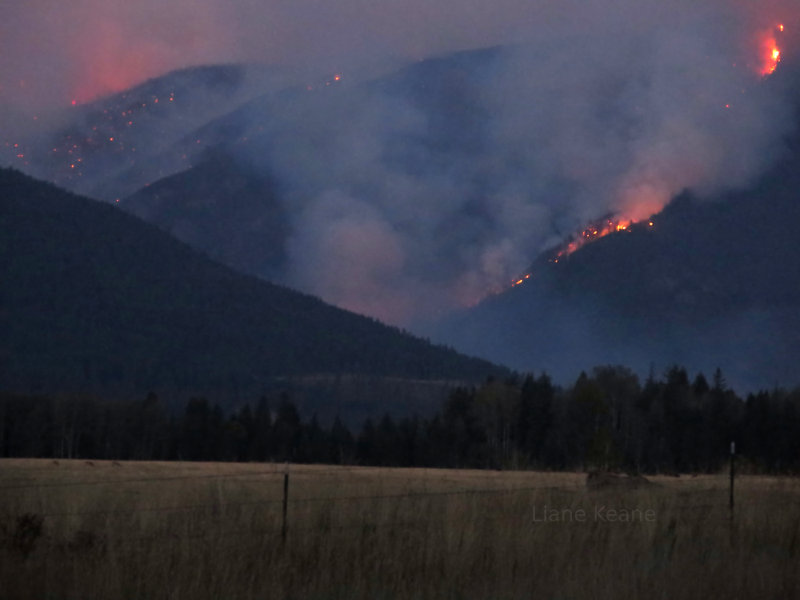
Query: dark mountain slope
pixel 223 208
pixel 94 300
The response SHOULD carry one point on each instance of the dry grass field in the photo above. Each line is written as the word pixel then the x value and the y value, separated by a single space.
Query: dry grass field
pixel 74 529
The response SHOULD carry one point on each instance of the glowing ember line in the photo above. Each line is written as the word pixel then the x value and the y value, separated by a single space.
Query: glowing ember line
pixel 521 280
pixel 591 233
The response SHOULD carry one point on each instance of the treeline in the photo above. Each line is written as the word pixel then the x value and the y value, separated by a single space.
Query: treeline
pixel 608 420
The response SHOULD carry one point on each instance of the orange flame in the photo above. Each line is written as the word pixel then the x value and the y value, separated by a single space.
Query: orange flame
pixel 771 52
pixel 521 280
pixel 591 233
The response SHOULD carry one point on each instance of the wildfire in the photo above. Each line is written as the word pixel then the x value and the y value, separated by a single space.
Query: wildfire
pixel 336 79
pixel 594 231
pixel 771 51
pixel 521 280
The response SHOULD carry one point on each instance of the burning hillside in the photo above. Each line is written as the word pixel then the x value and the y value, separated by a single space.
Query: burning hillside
pixel 138 136
pixel 590 233
pixel 769 58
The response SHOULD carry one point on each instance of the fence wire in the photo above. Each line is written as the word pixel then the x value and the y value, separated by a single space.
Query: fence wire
pixel 311 475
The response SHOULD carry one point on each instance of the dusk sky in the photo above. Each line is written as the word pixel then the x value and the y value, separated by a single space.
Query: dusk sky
pixel 52 52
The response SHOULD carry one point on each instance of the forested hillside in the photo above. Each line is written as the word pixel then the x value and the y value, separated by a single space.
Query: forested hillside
pixel 97 301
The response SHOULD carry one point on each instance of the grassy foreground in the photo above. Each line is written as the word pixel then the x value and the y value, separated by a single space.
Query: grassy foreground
pixel 73 529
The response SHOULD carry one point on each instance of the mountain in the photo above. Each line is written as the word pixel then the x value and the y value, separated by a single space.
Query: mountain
pixel 712 283
pixel 222 207
pixel 96 301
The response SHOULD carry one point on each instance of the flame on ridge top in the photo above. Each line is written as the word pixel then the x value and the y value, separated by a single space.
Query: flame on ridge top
pixel 592 232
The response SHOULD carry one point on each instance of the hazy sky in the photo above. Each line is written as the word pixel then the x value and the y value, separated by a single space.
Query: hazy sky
pixel 53 51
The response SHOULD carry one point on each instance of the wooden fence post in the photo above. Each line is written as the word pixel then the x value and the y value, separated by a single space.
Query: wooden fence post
pixel 285 503
pixel 733 473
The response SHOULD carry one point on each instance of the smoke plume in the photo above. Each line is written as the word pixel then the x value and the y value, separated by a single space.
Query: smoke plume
pixel 404 205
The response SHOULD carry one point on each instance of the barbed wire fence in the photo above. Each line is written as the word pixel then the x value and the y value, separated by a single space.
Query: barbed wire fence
pixel 284 525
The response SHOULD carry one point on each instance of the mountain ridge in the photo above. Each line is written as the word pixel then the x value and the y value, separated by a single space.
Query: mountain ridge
pixel 97 301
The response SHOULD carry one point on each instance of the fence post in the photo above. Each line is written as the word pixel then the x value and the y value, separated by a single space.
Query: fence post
pixel 733 472
pixel 285 502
